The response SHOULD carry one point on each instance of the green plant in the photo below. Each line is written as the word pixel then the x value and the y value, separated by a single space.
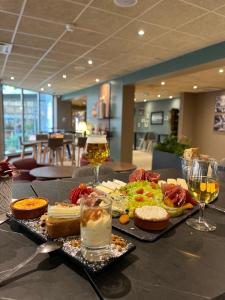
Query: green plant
pixel 172 145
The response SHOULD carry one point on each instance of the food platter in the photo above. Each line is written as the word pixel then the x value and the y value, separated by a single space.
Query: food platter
pixel 71 245
pixel 151 236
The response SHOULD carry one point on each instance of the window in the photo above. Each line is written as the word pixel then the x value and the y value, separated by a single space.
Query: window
pixel 25 114
pixel 46 113
pixel 30 110
pixel 13 118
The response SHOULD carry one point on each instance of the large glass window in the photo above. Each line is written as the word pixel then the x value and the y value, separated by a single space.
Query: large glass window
pixel 13 118
pixel 25 114
pixel 46 113
pixel 30 104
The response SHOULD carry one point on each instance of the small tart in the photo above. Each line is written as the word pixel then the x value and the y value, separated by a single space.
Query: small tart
pixel 151 218
pixel 29 208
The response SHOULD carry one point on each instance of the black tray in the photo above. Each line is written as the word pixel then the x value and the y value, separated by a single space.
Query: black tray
pixel 150 236
pixel 33 227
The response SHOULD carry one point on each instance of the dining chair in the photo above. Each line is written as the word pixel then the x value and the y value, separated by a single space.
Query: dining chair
pixel 54 150
pixel 28 145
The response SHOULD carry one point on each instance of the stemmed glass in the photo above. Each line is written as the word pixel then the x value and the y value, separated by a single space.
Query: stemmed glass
pixel 203 185
pixel 96 151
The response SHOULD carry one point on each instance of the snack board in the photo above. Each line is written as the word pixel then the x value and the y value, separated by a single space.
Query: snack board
pixel 71 245
pixel 151 236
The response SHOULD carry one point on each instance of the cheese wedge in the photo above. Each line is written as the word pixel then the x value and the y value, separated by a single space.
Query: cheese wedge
pixel 171 181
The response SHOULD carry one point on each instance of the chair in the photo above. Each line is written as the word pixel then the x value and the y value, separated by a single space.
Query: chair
pixel 54 150
pixel 88 171
pixel 41 138
pixel 81 142
pixel 25 146
pixel 23 167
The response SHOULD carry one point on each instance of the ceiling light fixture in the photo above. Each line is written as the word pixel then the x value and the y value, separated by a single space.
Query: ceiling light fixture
pixel 42 89
pixel 158 96
pixel 221 70
pixel 12 77
pixel 125 3
pixel 145 100
pixel 141 32
pixel 49 85
pixel 134 99
pixel 64 76
pixel 163 83
pixel 195 87
pixel 90 62
pixel 171 97
pixel 97 79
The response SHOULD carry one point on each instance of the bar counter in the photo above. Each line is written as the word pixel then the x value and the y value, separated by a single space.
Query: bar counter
pixel 183 264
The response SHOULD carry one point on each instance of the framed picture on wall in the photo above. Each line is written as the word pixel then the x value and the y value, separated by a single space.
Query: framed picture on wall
pixel 219 122
pixel 220 104
pixel 157 118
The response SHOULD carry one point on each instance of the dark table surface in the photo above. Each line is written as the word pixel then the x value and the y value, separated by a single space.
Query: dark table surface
pixel 183 264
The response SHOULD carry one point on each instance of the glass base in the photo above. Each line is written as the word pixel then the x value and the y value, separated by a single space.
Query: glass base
pixel 98 254
pixel 201 224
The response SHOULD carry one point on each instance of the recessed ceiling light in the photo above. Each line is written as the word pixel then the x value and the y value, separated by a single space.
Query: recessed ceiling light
pixel 145 100
pixel 97 79
pixel 141 32
pixel 163 83
pixel 171 97
pixel 158 96
pixel 134 99
pixel 64 76
pixel 221 70
pixel 49 85
pixel 42 89
pixel 125 3
pixel 90 62
pixel 195 87
pixel 12 77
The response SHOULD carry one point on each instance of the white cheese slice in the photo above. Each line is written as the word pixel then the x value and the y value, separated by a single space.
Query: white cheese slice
pixel 160 182
pixel 171 181
pixel 103 189
pixel 121 183
pixel 182 182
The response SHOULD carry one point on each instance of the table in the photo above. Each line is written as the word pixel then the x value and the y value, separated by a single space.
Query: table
pixel 55 172
pixel 184 264
pixel 52 172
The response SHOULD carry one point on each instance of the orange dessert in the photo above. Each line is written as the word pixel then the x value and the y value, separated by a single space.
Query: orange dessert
pixel 29 208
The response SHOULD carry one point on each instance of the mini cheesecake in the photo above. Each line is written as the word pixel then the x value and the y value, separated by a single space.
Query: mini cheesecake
pixel 29 208
pixel 151 218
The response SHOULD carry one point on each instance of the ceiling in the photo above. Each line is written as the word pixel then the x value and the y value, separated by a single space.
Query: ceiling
pixel 211 78
pixel 43 50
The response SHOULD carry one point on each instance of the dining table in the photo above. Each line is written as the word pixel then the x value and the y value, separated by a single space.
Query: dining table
pixel 182 264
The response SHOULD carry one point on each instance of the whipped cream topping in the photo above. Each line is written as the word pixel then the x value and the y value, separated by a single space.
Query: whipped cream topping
pixel 64 211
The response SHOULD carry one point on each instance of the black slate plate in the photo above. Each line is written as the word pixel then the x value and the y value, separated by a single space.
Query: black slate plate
pixel 32 226
pixel 150 236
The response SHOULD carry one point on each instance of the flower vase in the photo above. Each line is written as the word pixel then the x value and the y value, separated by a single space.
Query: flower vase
pixel 5 194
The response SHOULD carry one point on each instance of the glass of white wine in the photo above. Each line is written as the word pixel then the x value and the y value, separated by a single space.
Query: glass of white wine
pixel 204 187
pixel 96 152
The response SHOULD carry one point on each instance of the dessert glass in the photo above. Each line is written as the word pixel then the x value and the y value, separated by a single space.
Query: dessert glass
pixel 96 227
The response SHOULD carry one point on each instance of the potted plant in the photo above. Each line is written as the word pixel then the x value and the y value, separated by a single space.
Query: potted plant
pixel 167 154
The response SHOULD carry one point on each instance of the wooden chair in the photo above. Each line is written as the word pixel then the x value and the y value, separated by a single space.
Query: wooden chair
pixel 81 142
pixel 25 146
pixel 54 150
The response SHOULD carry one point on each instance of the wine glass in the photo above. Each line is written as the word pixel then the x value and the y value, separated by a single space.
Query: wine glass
pixel 204 187
pixel 96 151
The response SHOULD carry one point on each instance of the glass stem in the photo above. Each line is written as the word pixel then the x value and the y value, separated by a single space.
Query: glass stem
pixel 96 170
pixel 201 212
